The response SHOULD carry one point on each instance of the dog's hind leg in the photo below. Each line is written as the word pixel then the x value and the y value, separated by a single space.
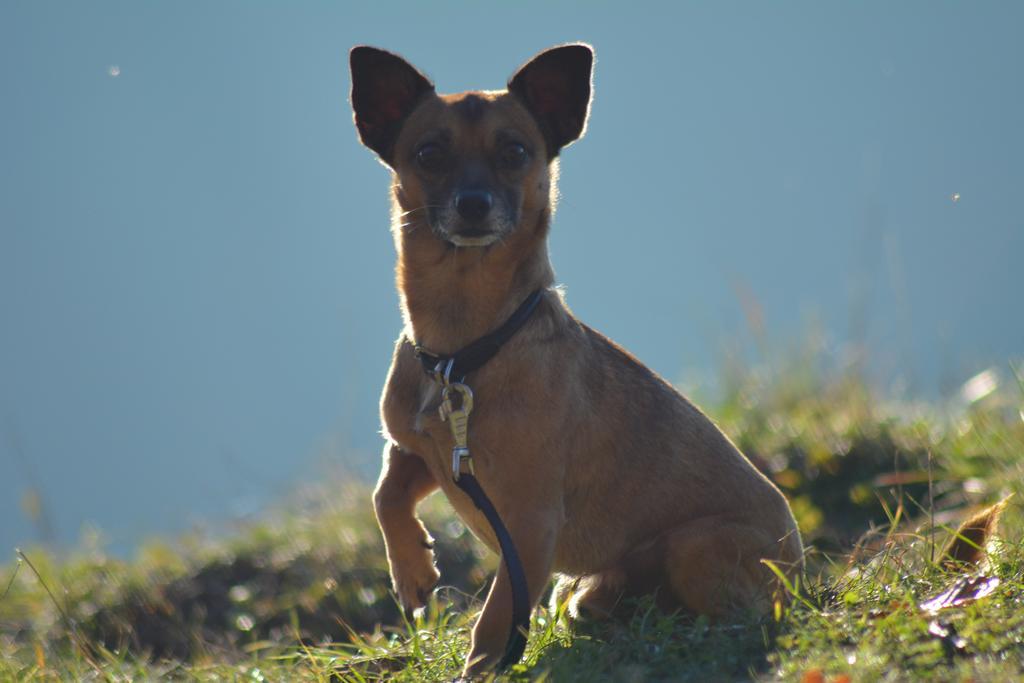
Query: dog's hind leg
pixel 592 597
pixel 404 482
pixel 713 566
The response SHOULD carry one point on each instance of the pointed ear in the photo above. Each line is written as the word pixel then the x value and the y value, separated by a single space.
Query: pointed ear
pixel 555 87
pixel 385 90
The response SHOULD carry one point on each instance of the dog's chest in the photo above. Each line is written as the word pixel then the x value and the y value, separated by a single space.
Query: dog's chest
pixel 411 419
pixel 409 409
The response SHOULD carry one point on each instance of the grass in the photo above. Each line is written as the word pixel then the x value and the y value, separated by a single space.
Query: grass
pixel 304 594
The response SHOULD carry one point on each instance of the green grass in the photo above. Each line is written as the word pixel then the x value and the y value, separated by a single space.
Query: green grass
pixel 303 595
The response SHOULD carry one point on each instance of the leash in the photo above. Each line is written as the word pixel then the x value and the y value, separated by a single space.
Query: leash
pixel 456 405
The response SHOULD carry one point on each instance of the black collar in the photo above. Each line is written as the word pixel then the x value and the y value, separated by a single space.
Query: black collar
pixel 477 353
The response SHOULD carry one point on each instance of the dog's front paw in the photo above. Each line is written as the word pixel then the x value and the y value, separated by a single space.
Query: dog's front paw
pixel 414 579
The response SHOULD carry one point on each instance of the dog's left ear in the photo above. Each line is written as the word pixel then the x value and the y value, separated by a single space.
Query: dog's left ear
pixel 555 87
pixel 385 90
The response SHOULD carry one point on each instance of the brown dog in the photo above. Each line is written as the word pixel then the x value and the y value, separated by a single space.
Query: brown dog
pixel 602 472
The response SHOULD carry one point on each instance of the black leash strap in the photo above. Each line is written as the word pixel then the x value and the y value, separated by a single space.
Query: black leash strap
pixel 451 371
pixel 516 644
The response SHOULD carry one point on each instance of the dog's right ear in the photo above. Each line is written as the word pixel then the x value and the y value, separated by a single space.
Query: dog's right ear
pixel 385 90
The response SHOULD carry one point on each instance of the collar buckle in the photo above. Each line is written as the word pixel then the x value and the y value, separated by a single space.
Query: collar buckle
pixel 470 358
pixel 443 371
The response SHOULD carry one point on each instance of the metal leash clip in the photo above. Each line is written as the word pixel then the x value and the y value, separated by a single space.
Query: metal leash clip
pixel 457 418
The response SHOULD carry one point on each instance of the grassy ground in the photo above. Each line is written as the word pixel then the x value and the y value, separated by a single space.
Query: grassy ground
pixel 304 595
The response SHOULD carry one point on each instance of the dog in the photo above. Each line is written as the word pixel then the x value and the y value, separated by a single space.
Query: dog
pixel 606 477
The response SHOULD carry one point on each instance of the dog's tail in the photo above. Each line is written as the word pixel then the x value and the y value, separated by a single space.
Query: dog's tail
pixel 968 546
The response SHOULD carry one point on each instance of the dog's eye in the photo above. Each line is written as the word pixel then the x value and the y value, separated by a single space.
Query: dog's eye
pixel 430 157
pixel 513 156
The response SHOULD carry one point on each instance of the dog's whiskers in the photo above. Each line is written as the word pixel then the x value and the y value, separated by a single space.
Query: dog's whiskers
pixel 410 226
pixel 420 208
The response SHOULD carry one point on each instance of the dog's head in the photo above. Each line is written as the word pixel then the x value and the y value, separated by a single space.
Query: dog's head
pixel 474 166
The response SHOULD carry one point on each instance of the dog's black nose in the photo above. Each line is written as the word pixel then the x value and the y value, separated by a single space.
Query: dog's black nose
pixel 474 205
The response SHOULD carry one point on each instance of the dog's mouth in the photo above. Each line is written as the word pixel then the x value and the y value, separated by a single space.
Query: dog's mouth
pixel 472 237
pixel 456 231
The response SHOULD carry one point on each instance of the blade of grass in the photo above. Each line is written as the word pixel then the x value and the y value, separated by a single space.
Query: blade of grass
pixel 788 585
pixel 10 583
pixel 76 638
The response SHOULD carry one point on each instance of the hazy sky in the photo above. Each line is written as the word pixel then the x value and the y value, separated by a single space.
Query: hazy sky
pixel 196 277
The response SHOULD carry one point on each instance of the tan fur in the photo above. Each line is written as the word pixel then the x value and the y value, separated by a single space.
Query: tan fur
pixel 603 473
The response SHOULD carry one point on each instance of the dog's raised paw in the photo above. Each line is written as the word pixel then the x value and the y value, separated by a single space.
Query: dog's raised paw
pixel 413 584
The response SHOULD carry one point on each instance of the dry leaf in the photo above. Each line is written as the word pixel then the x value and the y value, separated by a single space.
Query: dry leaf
pixel 968 544
pixel 964 590
pixel 813 676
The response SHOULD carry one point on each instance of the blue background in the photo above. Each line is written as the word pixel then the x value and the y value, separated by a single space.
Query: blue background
pixel 196 275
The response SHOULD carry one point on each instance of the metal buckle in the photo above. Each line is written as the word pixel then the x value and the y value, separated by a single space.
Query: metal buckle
pixel 458 421
pixel 444 376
